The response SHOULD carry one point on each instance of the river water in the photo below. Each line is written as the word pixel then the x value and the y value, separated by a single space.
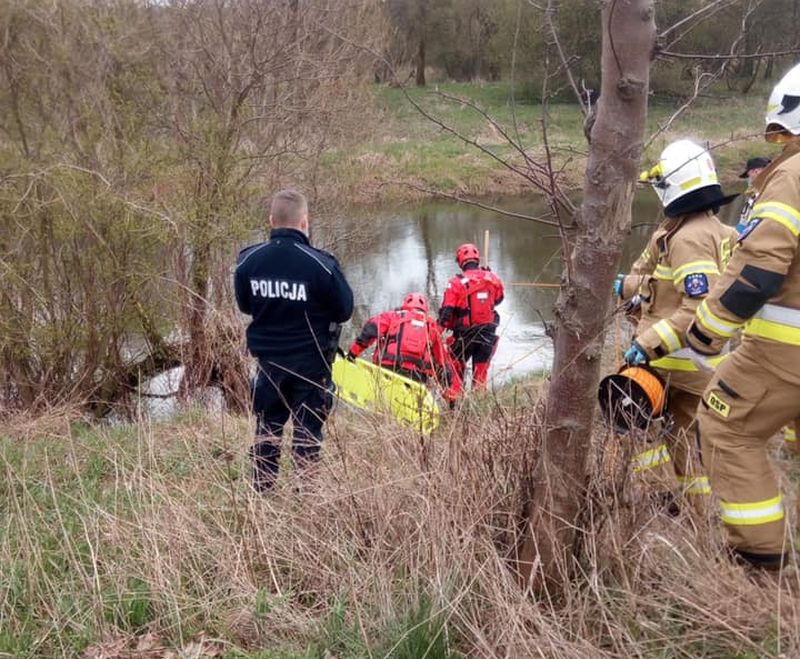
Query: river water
pixel 412 248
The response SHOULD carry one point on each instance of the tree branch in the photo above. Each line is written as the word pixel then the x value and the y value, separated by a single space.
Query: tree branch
pixel 699 15
pixel 698 56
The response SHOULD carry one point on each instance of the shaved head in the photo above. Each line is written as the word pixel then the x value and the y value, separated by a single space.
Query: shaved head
pixel 289 210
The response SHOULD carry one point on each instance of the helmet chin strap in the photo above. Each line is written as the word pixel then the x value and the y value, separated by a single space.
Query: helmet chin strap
pixel 780 136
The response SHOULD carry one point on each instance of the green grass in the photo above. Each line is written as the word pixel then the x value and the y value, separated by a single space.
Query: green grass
pixel 148 534
pixel 91 516
pixel 404 147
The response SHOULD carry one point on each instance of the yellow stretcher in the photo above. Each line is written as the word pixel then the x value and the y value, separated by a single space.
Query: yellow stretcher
pixel 371 387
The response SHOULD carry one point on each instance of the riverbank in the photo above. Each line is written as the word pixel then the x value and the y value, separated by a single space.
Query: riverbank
pixel 407 156
pixel 146 541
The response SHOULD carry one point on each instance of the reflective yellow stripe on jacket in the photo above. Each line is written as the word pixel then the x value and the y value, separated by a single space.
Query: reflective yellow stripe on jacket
pixel 751 514
pixel 680 361
pixel 669 337
pixel 693 268
pixel 776 323
pixel 663 272
pixel 781 213
pixel 714 323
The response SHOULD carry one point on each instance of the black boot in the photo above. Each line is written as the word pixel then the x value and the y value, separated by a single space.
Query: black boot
pixel 265 457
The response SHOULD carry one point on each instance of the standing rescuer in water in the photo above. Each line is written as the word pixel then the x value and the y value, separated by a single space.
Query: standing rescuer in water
pixel 297 296
pixel 682 260
pixel 468 309
pixel 756 390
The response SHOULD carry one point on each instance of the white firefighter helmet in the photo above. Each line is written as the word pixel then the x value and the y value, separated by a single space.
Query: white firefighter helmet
pixel 783 108
pixel 685 179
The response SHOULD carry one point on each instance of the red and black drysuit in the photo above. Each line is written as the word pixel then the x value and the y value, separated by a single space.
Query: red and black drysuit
pixel 408 342
pixel 468 309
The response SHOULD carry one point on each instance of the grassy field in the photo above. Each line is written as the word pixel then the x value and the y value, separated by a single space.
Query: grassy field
pixel 145 541
pixel 405 150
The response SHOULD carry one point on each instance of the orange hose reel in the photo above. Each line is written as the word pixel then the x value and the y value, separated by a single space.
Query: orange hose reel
pixel 633 398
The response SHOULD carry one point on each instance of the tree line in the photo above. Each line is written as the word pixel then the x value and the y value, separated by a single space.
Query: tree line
pixel 472 40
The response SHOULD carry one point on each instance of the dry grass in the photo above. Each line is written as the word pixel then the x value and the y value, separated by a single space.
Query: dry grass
pixel 145 541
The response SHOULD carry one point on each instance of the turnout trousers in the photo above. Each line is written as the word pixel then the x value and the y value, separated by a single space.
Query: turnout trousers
pixel 743 406
pixel 278 395
pixel 677 456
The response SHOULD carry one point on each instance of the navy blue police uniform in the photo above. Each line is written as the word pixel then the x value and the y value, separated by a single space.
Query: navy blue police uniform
pixel 298 298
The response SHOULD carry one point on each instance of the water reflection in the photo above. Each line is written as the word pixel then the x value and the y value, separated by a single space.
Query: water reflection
pixel 413 248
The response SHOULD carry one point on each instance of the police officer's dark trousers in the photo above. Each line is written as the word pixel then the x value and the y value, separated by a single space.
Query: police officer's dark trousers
pixel 282 392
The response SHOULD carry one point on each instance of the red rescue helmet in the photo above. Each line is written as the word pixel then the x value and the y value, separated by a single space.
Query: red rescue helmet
pixel 415 301
pixel 466 253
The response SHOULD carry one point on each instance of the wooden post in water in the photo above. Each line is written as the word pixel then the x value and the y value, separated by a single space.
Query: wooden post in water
pixel 486 248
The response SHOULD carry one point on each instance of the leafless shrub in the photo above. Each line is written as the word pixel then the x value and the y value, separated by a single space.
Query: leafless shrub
pixel 137 140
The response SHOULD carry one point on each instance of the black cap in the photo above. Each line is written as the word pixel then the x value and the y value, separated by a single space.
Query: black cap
pixel 703 199
pixel 758 162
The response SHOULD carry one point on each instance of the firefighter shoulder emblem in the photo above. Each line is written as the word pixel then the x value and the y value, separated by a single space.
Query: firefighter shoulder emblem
pixel 696 284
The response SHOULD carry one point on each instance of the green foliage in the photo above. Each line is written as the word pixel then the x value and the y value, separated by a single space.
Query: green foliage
pixel 469 40
pixel 421 632
pixel 131 608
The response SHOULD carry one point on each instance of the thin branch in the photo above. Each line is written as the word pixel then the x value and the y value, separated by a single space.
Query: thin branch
pixel 528 176
pixel 695 15
pixel 706 17
pixel 698 56
pixel 468 140
pixel 610 33
pixel 511 141
pixel 698 87
pixel 513 75
pixel 710 78
pixel 548 19
pixel 566 247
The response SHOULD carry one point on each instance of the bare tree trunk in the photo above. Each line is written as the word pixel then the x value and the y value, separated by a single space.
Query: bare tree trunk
pixel 198 360
pixel 560 479
pixel 420 77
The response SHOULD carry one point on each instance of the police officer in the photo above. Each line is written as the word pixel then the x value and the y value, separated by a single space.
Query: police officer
pixel 756 390
pixel 682 260
pixel 298 297
pixel 408 341
pixel 468 309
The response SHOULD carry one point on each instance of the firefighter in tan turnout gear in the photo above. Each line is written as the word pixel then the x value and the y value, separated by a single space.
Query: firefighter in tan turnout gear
pixel 756 391
pixel 682 260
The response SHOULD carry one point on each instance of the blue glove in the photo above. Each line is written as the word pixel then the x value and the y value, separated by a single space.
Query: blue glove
pixel 635 356
pixel 618 285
